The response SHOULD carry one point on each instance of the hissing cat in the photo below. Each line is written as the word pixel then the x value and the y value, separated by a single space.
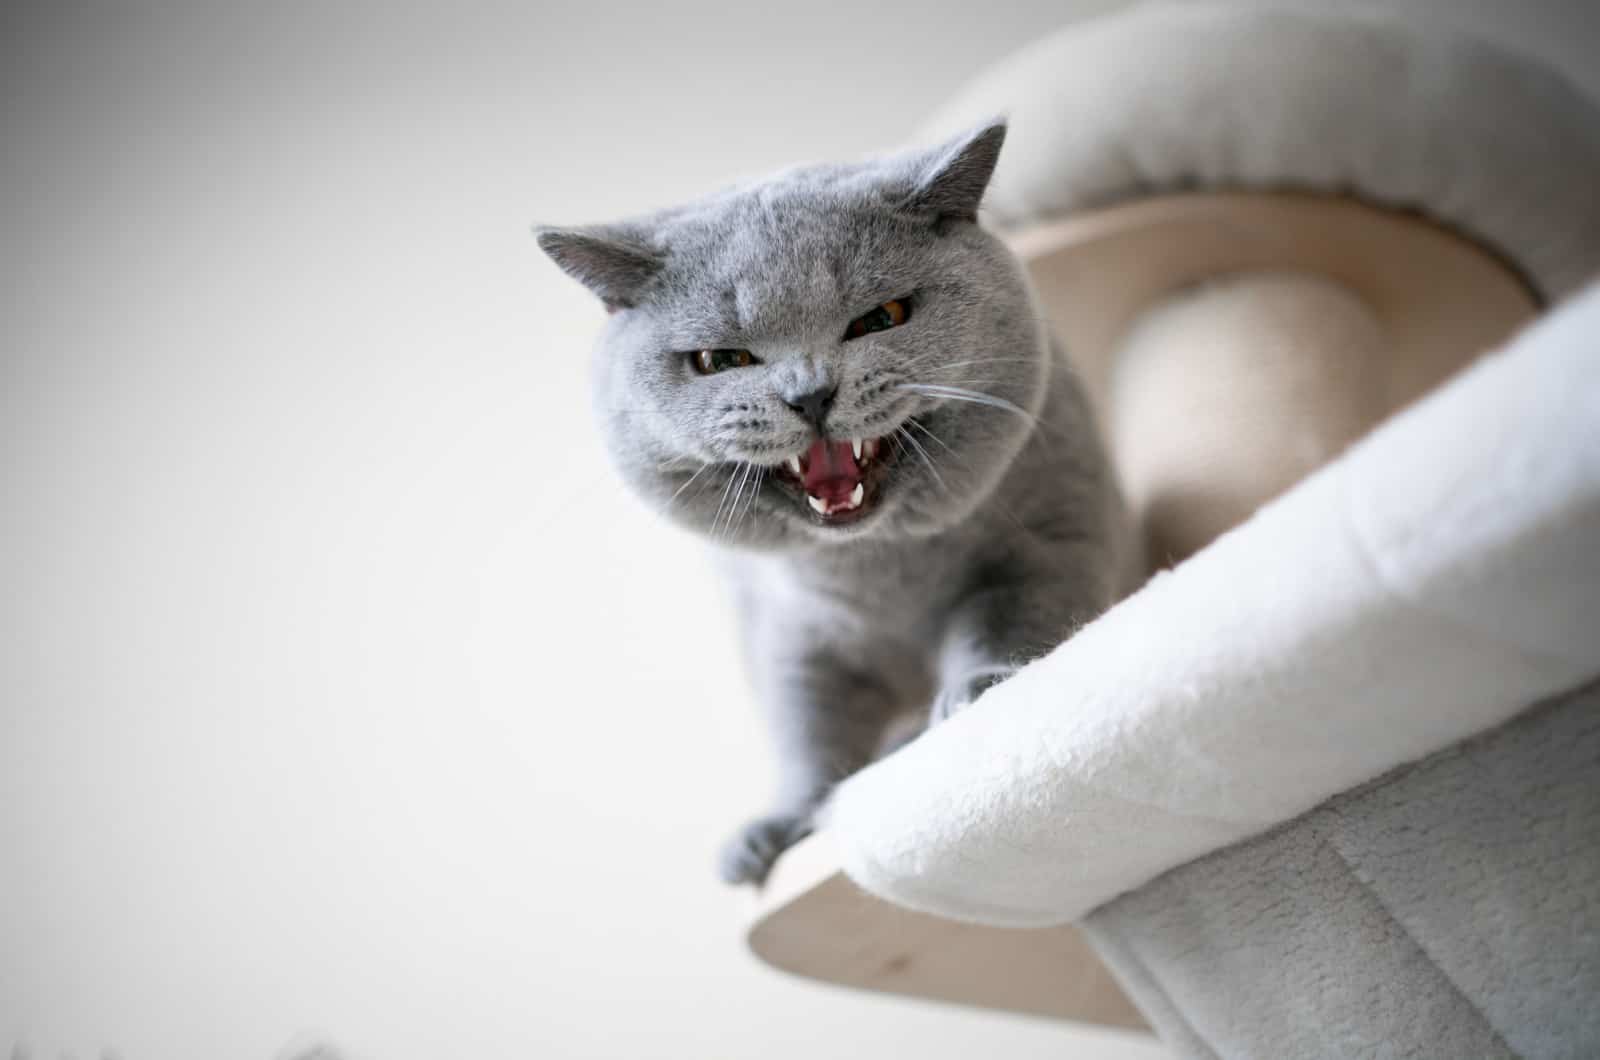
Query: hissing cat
pixel 839 375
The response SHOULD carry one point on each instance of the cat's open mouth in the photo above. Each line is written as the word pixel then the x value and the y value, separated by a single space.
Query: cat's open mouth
pixel 834 476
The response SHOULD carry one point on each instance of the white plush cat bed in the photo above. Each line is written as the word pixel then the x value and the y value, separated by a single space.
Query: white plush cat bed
pixel 1433 582
pixel 1429 585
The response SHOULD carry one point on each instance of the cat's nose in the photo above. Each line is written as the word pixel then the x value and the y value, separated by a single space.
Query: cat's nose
pixel 814 405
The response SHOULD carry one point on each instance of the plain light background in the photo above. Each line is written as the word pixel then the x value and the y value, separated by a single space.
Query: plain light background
pixel 346 697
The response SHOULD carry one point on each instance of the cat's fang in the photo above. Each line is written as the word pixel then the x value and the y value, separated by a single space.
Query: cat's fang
pixel 855 447
pixel 857 494
pixel 793 463
pixel 818 505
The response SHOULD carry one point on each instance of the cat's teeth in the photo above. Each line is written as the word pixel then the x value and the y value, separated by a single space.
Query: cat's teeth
pixel 851 503
pixel 870 447
pixel 855 446
pixel 794 464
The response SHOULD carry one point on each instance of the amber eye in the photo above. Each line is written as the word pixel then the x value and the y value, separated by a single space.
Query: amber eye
pixel 888 315
pixel 707 362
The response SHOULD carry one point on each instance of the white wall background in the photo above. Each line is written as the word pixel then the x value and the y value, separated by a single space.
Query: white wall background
pixel 345 695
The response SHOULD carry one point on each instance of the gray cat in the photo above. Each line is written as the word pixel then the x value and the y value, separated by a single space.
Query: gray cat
pixel 839 375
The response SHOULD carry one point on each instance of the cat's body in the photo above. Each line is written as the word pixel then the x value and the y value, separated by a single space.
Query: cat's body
pixel 915 497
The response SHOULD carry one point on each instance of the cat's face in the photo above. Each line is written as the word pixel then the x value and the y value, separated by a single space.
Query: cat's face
pixel 834 352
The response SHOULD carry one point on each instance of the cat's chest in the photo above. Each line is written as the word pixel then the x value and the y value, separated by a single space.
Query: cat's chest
pixel 899 594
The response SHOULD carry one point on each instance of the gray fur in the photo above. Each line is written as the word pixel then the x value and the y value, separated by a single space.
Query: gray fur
pixel 995 531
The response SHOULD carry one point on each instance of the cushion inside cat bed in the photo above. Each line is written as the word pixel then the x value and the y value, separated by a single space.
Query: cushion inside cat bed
pixel 1234 342
pixel 1420 588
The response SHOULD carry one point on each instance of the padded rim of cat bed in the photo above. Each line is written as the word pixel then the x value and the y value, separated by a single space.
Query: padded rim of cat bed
pixel 1200 97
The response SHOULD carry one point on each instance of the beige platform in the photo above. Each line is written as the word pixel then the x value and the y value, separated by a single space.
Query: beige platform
pixel 1430 300
pixel 812 921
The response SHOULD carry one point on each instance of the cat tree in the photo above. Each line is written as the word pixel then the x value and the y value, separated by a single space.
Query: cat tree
pixel 1326 786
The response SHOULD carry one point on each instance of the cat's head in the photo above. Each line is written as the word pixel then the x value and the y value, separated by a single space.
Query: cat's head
pixel 835 351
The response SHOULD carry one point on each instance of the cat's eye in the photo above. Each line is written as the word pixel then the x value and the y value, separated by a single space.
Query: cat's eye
pixel 708 362
pixel 890 314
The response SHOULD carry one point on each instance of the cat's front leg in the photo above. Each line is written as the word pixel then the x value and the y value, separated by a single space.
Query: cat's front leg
pixel 994 632
pixel 828 718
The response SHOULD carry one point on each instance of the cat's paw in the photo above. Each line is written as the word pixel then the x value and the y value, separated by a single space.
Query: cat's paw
pixel 956 697
pixel 947 704
pixel 751 853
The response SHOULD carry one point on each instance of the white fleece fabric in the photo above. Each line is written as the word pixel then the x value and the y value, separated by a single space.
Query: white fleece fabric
pixel 1436 580
pixel 1167 98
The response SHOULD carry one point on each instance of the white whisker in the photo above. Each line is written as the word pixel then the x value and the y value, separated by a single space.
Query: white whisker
pixel 703 469
pixel 930 434
pixel 985 360
pixel 717 515
pixel 923 453
pixel 736 482
pixel 976 397
pixel 733 508
pixel 755 491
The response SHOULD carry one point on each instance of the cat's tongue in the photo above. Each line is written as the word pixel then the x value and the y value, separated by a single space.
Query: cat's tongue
pixel 830 470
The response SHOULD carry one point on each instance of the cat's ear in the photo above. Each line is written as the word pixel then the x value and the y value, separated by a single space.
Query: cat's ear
pixel 953 176
pixel 613 261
